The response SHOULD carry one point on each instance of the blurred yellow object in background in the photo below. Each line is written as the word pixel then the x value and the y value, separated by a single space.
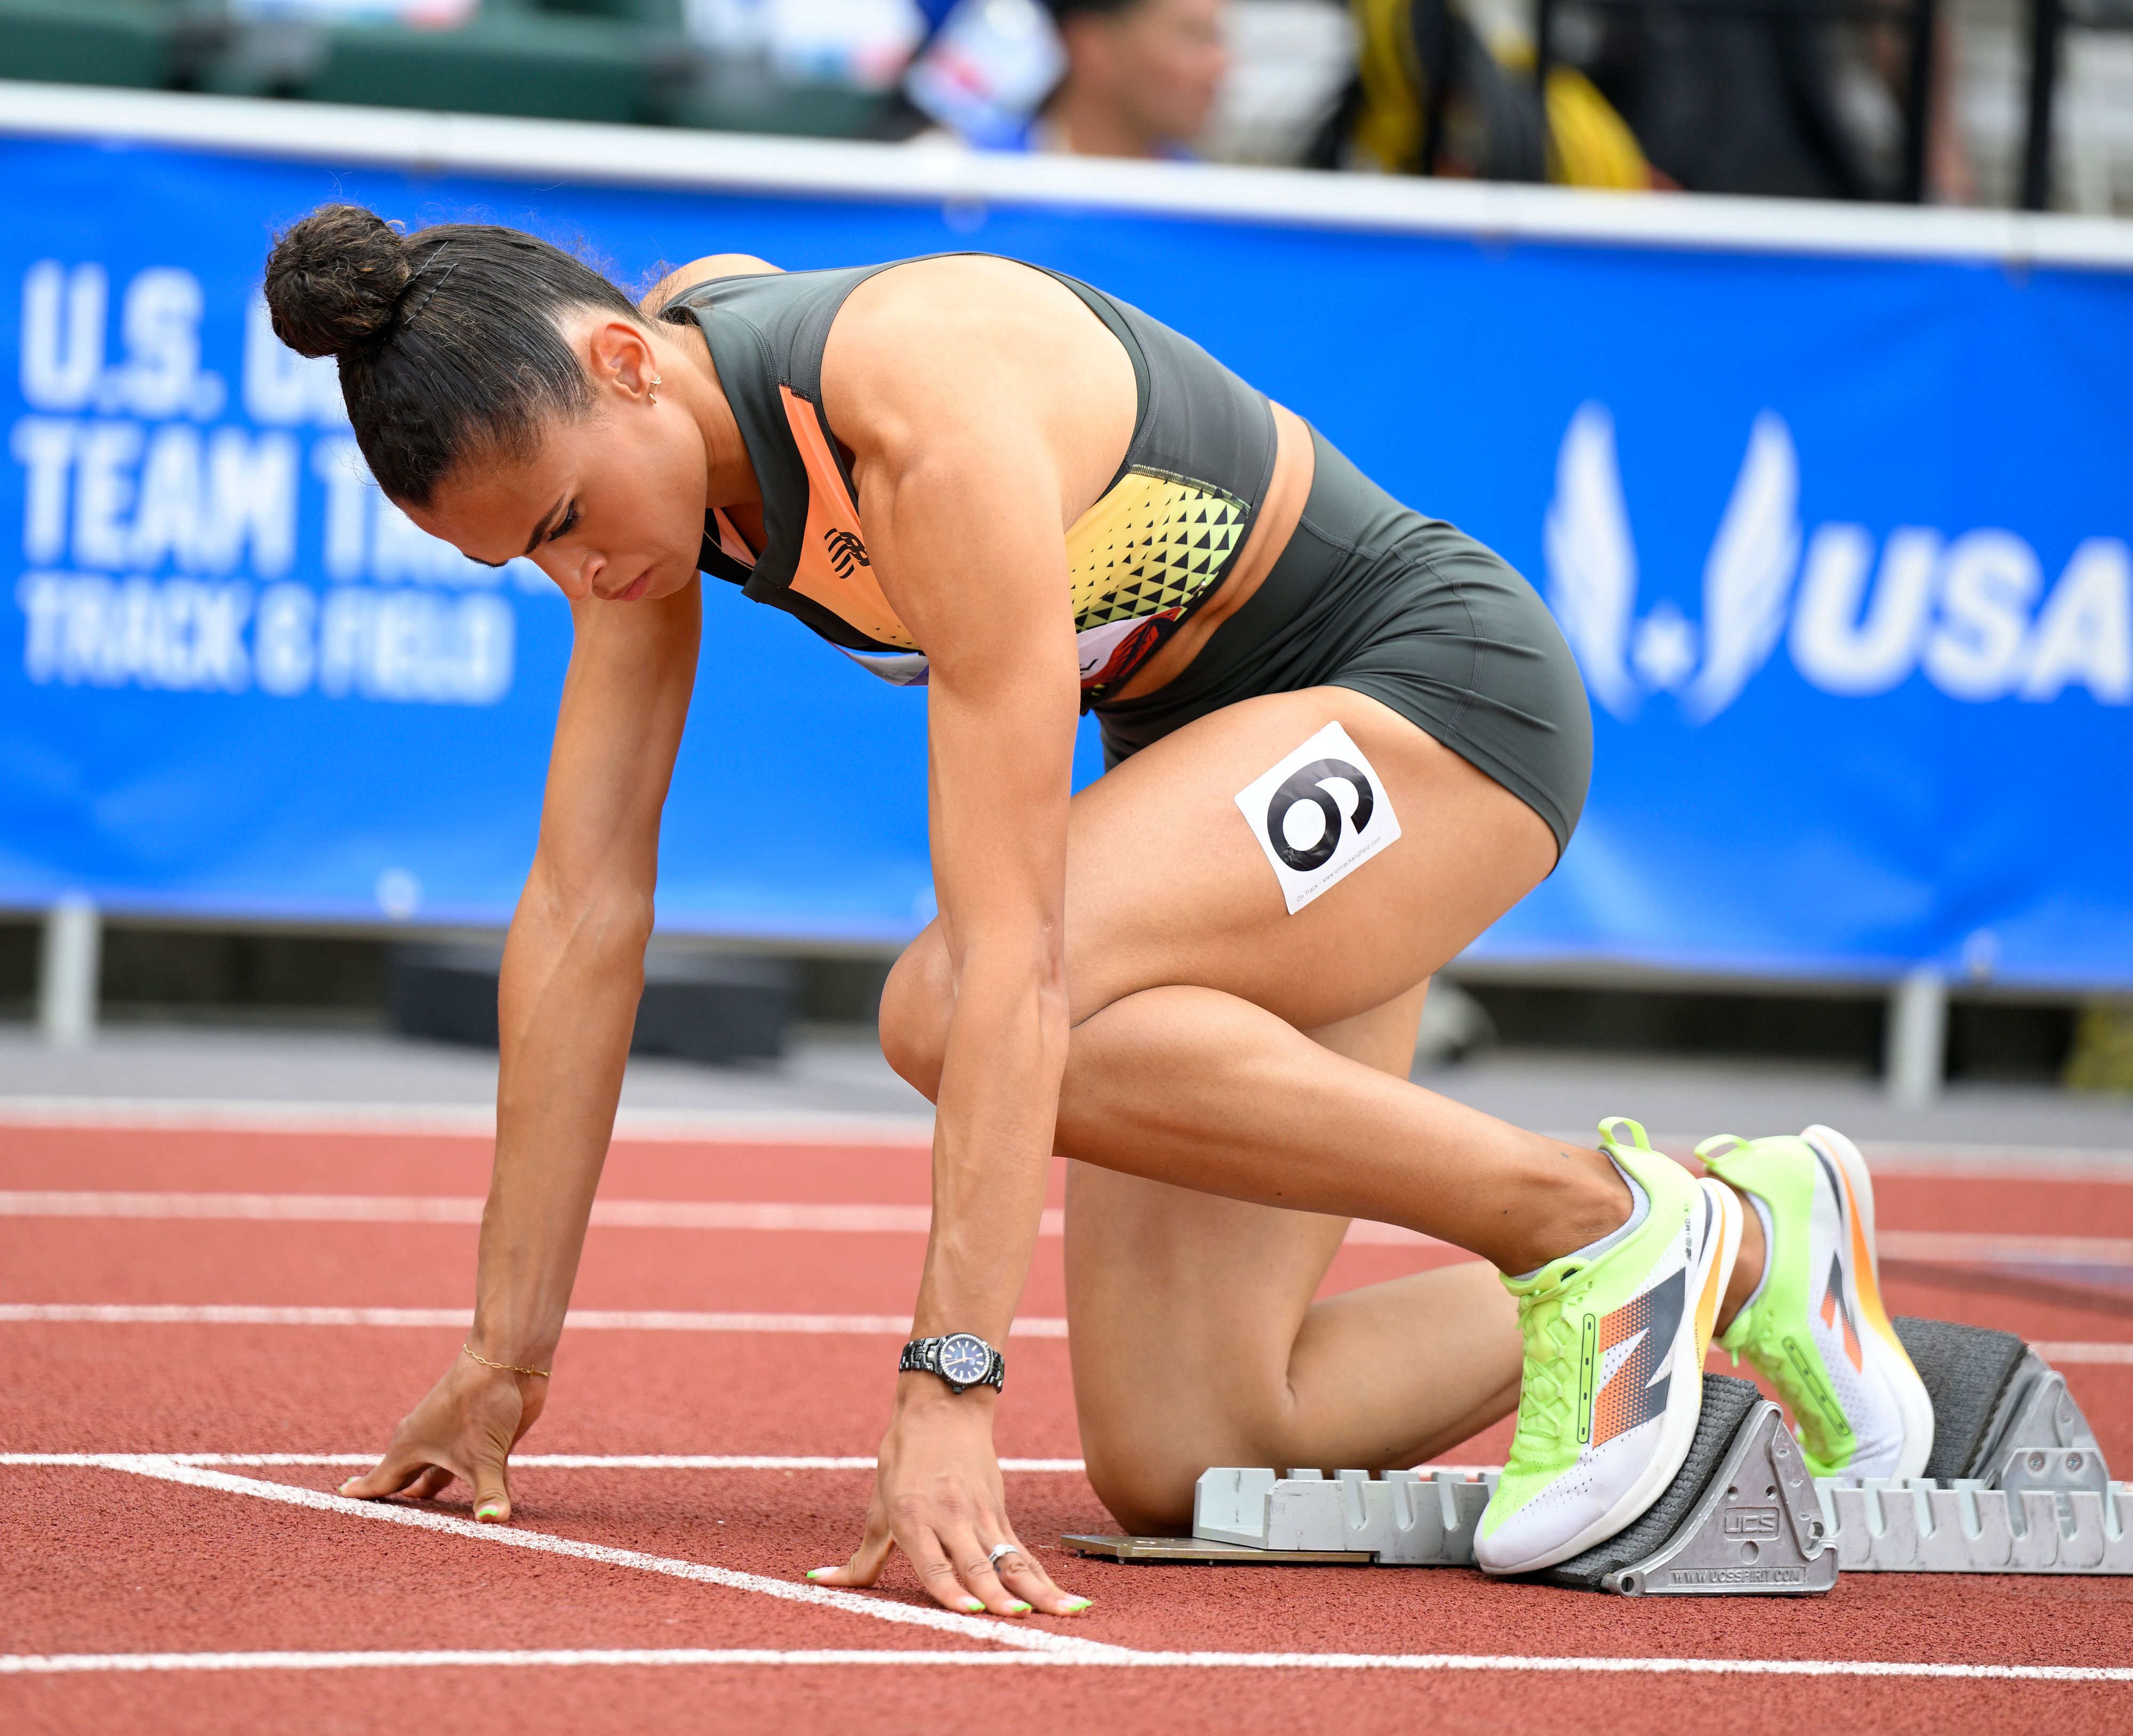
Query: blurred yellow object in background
pixel 2103 1058
pixel 1389 127
pixel 1589 145
pixel 1431 97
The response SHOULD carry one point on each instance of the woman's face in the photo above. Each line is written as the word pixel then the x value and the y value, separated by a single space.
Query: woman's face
pixel 611 503
pixel 1163 62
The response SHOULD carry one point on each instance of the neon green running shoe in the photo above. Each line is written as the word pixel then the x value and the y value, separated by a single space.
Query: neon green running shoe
pixel 1816 1328
pixel 1615 1335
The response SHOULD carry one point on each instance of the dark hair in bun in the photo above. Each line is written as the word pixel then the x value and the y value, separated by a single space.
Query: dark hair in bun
pixel 447 339
pixel 334 280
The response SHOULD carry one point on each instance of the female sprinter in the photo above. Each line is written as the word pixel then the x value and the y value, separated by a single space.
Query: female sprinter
pixel 1344 739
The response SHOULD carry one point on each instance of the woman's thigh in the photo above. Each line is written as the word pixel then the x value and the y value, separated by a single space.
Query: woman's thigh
pixel 1167 883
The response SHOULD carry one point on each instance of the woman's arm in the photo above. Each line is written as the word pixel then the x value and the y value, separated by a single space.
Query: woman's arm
pixel 982 415
pixel 573 969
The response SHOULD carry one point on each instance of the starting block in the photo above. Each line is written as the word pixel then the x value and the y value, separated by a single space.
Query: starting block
pixel 2016 1484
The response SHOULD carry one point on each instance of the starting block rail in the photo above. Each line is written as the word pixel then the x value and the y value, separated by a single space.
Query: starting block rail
pixel 1743 1516
pixel 1967 1528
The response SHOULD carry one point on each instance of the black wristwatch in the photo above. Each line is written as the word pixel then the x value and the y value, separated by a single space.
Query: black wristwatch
pixel 962 1359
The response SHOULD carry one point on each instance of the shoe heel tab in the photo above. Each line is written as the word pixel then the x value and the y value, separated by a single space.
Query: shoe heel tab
pixel 1639 1138
pixel 1719 1145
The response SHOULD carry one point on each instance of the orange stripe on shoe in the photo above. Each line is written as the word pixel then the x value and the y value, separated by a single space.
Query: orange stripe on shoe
pixel 1707 1304
pixel 1866 1274
pixel 1834 1309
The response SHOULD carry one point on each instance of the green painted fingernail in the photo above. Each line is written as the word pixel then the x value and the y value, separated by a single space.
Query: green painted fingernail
pixel 973 1606
pixel 1075 1606
pixel 816 1573
pixel 1018 1608
pixel 491 1512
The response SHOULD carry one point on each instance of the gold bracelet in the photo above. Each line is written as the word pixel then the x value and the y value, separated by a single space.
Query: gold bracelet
pixel 507 1367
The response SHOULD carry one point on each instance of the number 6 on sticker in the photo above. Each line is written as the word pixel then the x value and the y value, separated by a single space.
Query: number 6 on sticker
pixel 1319 815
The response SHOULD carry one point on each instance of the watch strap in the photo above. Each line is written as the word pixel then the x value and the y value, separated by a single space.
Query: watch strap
pixel 922 1356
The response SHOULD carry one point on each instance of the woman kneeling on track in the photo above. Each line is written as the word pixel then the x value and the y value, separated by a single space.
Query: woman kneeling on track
pixel 1343 739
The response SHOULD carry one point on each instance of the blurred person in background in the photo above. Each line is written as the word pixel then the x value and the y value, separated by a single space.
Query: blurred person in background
pixel 1141 80
pixel 1695 95
pixel 1804 105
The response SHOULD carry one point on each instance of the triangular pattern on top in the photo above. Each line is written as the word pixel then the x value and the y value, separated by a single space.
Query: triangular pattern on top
pixel 1149 546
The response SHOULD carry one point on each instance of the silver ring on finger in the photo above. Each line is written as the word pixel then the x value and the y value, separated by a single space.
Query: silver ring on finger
pixel 999 1550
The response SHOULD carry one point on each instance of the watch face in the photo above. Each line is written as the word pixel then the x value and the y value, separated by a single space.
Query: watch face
pixel 965 1359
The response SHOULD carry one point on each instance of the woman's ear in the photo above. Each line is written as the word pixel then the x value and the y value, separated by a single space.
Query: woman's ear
pixel 619 357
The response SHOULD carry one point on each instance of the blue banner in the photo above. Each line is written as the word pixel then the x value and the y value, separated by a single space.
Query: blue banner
pixel 1842 544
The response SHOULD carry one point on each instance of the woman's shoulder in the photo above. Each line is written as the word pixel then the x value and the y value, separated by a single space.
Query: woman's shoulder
pixel 712 268
pixel 791 312
pixel 957 300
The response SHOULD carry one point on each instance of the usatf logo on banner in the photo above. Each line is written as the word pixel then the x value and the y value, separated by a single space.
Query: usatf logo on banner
pixel 1970 612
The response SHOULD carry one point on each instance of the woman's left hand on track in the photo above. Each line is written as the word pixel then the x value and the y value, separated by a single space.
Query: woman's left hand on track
pixel 937 1496
pixel 464 1427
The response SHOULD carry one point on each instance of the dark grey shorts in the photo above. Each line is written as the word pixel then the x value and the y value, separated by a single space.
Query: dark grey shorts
pixel 1371 595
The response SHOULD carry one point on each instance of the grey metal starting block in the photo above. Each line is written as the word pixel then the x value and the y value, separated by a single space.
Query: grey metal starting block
pixel 2019 1486
pixel 1740 1517
pixel 1402 1519
pixel 1970 1527
pixel 2016 1482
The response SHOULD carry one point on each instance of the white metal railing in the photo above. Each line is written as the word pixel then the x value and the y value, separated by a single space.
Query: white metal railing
pixel 434 143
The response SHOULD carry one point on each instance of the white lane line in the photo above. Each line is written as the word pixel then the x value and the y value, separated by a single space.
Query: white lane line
pixel 2084 1352
pixel 727 1214
pixel 747 1214
pixel 519 1461
pixel 897 1134
pixel 1947 1248
pixel 1114 1657
pixel 901 1133
pixel 850 1602
pixel 592 1462
pixel 611 1319
pixel 584 1320
pixel 1936 1246
pixel 912 1134
pixel 1031 1645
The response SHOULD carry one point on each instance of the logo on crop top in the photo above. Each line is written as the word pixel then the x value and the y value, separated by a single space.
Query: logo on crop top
pixel 846 552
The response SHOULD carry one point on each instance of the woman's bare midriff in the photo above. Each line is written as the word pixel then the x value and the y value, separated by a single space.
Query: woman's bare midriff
pixel 1279 513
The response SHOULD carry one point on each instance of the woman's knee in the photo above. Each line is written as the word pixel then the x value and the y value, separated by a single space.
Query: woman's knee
pixel 1150 1493
pixel 915 1001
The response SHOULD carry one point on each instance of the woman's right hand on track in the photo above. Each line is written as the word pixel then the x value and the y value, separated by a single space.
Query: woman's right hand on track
pixel 465 1428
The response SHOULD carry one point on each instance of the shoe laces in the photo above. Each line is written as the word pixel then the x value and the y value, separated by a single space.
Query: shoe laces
pixel 1548 1378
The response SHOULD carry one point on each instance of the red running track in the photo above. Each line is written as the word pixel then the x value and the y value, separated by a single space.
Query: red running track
pixel 125 1576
